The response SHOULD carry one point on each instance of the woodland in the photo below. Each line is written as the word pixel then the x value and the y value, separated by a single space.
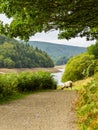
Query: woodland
pixel 14 54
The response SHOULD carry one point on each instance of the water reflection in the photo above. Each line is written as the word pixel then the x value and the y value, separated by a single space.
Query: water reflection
pixel 57 76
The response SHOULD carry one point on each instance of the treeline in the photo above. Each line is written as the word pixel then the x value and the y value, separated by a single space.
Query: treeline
pixel 22 55
pixel 62 60
pixel 59 53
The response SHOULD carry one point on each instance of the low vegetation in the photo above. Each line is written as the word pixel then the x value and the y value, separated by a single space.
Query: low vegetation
pixel 87 107
pixel 14 83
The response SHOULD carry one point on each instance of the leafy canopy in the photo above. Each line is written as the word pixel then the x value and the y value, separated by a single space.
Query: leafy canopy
pixel 71 17
pixel 93 50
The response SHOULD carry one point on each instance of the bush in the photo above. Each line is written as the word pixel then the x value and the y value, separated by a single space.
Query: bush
pixel 11 84
pixel 35 81
pixel 80 66
pixel 87 109
pixel 8 85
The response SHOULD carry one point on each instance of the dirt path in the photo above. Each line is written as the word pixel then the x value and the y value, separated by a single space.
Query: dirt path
pixel 41 111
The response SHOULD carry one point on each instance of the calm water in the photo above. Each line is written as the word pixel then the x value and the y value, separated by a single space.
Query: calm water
pixel 58 76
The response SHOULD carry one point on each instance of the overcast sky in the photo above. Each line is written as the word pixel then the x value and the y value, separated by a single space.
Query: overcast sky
pixel 52 36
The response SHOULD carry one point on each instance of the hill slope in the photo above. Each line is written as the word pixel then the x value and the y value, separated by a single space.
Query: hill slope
pixel 19 55
pixel 57 51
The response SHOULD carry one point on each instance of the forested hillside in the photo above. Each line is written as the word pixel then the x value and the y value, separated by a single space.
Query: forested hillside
pixel 59 53
pixel 20 55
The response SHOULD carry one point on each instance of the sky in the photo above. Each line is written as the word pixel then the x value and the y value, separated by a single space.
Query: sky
pixel 52 36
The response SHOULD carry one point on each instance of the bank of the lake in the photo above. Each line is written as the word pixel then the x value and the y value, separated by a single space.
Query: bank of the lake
pixel 52 69
pixel 58 76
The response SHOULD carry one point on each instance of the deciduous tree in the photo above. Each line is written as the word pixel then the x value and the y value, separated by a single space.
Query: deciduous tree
pixel 71 17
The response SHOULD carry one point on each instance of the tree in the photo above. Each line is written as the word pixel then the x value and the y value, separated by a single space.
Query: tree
pixel 8 63
pixel 62 60
pixel 93 50
pixel 79 67
pixel 72 17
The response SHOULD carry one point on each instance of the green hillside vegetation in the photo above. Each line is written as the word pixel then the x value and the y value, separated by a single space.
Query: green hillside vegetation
pixel 20 55
pixel 59 53
pixel 80 67
pixel 87 107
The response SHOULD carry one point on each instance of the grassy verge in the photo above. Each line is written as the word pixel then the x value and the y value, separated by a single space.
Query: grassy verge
pixel 87 107
pixel 79 85
pixel 13 97
pixel 18 96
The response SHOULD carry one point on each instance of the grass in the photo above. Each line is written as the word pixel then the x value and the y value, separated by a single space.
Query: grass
pixel 13 97
pixel 87 106
pixel 18 96
pixel 78 85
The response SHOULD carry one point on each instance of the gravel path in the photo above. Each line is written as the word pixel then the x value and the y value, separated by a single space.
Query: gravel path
pixel 40 111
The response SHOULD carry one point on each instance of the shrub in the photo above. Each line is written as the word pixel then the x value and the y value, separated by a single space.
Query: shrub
pixel 8 84
pixel 46 80
pixel 35 81
pixel 87 109
pixel 79 67
pixel 11 84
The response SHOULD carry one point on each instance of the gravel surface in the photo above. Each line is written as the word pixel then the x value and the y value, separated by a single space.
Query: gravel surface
pixel 40 111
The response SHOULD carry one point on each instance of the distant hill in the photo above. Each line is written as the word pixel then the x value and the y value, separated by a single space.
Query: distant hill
pixel 59 53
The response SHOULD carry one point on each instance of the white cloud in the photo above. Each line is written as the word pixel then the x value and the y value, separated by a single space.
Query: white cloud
pixel 5 19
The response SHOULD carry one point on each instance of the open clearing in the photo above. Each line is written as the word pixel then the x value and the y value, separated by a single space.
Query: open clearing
pixel 41 111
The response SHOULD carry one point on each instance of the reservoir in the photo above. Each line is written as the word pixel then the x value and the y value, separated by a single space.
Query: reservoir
pixel 58 76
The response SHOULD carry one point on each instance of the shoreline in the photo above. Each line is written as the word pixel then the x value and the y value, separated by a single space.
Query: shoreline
pixel 54 69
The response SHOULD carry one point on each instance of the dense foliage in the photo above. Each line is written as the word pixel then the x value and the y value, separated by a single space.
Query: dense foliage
pixel 11 84
pixel 61 60
pixel 93 50
pixel 35 81
pixel 17 55
pixel 72 17
pixel 87 108
pixel 78 67
pixel 59 53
